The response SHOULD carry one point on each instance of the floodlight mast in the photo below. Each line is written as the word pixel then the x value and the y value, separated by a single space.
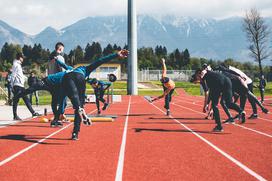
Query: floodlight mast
pixel 132 47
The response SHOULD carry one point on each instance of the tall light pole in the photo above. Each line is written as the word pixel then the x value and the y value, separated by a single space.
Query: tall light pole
pixel 132 47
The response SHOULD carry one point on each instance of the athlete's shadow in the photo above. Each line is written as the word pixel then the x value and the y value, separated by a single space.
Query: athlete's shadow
pixel 178 118
pixel 135 115
pixel 172 122
pixel 139 130
pixel 30 139
pixel 25 125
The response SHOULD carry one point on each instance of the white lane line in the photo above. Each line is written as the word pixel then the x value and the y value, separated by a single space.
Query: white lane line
pixel 256 131
pixel 244 127
pixel 120 166
pixel 12 122
pixel 238 163
pixel 247 107
pixel 33 145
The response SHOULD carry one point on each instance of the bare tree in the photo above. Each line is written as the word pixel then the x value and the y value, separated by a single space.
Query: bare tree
pixel 258 36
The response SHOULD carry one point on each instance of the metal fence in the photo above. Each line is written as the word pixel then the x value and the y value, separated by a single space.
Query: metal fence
pixel 155 75
pixel 184 75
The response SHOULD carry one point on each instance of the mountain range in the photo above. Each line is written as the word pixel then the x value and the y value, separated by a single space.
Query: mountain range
pixel 204 37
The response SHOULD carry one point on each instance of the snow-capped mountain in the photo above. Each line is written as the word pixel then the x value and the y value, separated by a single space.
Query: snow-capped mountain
pixel 10 34
pixel 209 38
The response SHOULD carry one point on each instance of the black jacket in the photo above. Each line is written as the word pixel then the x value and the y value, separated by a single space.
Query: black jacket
pixel 32 80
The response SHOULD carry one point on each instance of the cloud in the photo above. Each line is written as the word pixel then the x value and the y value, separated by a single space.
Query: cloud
pixel 31 16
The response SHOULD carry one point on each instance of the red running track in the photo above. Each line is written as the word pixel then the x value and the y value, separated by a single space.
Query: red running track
pixel 142 144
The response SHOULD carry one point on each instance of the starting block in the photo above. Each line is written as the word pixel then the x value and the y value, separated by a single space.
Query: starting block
pixel 102 119
pixel 94 118
pixel 70 119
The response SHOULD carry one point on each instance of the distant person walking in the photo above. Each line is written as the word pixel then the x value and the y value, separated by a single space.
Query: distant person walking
pixel 8 86
pixel 17 83
pixel 32 79
pixel 262 85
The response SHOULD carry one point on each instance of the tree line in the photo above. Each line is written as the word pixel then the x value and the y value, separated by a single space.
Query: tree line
pixel 148 57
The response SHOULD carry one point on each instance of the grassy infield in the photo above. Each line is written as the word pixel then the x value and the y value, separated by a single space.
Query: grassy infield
pixel 193 89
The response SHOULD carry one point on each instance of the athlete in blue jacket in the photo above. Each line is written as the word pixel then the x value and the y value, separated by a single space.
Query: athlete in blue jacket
pixel 99 90
pixel 72 82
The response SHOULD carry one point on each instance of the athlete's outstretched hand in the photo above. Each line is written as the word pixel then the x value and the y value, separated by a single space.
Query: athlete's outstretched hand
pixel 123 53
pixel 163 61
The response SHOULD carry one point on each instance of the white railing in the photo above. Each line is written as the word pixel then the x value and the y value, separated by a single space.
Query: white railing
pixel 155 75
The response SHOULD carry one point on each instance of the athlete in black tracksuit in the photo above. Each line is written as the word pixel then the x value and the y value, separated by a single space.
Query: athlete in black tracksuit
pixel 74 85
pixel 218 85
pixel 240 89
pixel 244 91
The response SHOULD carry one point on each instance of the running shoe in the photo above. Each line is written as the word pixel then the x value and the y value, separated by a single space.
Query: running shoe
pixel 229 121
pixel 265 110
pixel 243 117
pixel 87 122
pixel 106 105
pixel 74 136
pixel 35 114
pixel 56 124
pixel 218 129
pixel 253 116
pixel 17 118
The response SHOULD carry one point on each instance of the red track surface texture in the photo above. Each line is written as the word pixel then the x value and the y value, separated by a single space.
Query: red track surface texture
pixel 142 144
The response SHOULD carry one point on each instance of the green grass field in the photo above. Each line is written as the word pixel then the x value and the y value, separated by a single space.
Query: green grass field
pixel 120 86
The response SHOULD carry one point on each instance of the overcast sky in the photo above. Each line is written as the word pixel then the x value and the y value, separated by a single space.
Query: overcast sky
pixel 32 16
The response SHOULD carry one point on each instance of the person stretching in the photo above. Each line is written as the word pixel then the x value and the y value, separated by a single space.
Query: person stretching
pixel 219 85
pixel 168 88
pixel 99 90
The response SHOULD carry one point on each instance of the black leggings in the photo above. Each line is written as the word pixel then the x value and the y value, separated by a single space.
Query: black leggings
pixel 242 91
pixel 9 91
pixel 20 91
pixel 226 92
pixel 44 84
pixel 168 98
pixel 253 99
pixel 99 96
pixel 74 85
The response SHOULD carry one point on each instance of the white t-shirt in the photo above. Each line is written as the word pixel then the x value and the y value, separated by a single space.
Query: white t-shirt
pixel 242 74
pixel 17 76
pixel 53 67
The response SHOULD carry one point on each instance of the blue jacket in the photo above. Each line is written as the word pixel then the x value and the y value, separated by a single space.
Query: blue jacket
pixel 84 70
pixel 101 85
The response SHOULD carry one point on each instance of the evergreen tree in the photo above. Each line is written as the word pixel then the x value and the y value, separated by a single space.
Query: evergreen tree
pixel 37 53
pixel 177 59
pixel 108 50
pixel 186 57
pixel 116 48
pixel 71 58
pixel 98 50
pixel 9 51
pixel 79 54
pixel 88 53
pixel 27 51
